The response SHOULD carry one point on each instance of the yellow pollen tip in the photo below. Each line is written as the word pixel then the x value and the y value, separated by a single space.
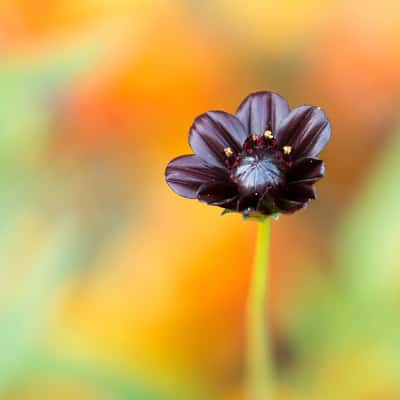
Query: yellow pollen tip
pixel 254 137
pixel 268 135
pixel 287 149
pixel 228 151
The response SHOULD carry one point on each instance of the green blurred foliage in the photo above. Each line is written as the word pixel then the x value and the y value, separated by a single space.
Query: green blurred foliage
pixel 350 315
pixel 52 254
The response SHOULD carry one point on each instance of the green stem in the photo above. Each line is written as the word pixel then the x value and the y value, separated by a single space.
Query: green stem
pixel 259 358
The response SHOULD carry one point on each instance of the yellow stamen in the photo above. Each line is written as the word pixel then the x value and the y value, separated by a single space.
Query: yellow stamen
pixel 254 137
pixel 287 149
pixel 268 135
pixel 228 152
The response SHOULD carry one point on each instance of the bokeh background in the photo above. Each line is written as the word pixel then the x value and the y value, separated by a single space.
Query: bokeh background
pixel 111 286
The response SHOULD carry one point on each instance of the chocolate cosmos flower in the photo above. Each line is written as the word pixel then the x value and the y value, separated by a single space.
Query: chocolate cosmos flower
pixel 260 162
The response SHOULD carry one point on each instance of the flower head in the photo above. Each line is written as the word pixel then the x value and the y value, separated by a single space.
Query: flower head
pixel 260 162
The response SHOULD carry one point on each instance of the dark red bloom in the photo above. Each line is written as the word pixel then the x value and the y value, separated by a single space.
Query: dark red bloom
pixel 260 162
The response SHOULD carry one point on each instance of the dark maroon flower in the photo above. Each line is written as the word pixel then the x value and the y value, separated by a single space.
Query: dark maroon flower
pixel 260 162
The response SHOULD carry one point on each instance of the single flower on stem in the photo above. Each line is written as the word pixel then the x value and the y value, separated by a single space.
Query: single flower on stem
pixel 260 162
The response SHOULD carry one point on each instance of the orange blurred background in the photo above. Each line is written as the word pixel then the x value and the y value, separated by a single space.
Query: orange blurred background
pixel 113 287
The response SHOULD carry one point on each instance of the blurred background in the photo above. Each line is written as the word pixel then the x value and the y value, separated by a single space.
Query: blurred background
pixel 111 286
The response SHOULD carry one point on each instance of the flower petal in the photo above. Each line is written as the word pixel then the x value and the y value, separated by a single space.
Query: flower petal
pixel 300 192
pixel 186 174
pixel 262 111
pixel 248 203
pixel 218 193
pixel 289 207
pixel 214 131
pixel 306 129
pixel 306 170
pixel 266 205
pixel 275 201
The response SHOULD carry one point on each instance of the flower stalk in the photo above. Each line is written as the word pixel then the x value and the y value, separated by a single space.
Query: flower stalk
pixel 259 360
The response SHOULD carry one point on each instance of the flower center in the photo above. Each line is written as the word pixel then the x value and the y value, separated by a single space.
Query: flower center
pixel 255 173
pixel 259 166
